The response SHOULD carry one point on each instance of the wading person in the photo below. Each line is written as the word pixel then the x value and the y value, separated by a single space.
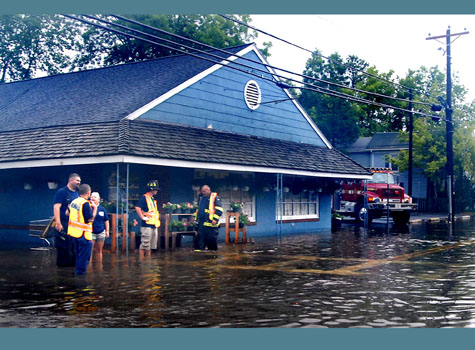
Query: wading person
pixel 147 211
pixel 100 228
pixel 208 214
pixel 62 200
pixel 81 215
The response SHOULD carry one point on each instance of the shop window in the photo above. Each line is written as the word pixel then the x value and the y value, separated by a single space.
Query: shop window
pixel 229 196
pixel 304 205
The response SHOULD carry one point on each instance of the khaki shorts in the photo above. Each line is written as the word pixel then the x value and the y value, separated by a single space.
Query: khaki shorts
pixel 99 237
pixel 149 238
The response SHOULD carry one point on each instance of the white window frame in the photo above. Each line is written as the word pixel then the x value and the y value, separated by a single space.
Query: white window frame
pixel 292 200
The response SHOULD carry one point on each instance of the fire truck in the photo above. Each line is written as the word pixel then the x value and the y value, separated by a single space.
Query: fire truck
pixel 370 199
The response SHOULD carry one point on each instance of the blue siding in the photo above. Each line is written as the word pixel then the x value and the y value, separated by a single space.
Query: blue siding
pixel 218 100
pixel 21 206
pixel 361 158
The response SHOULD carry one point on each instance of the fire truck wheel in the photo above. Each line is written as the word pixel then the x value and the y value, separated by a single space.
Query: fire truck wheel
pixel 401 218
pixel 361 212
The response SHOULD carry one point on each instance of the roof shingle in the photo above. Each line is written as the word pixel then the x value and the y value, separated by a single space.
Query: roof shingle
pixel 175 142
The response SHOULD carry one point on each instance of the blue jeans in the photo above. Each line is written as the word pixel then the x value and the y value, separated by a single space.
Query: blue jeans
pixel 83 249
pixel 64 248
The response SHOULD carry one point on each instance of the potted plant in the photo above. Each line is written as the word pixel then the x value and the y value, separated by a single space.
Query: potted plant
pixel 236 206
pixel 186 207
pixel 191 226
pixel 194 207
pixel 243 220
pixel 169 207
pixel 173 225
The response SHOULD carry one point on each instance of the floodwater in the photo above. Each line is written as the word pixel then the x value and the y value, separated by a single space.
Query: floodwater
pixel 422 275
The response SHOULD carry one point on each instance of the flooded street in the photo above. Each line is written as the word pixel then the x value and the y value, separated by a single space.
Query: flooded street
pixel 422 275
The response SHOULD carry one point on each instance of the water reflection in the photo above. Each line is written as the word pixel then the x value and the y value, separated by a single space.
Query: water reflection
pixel 416 276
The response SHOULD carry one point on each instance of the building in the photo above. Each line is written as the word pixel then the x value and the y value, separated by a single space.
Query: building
pixel 182 120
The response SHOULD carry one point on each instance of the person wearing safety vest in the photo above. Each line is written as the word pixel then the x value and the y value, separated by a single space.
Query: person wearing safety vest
pixel 208 214
pixel 147 210
pixel 81 215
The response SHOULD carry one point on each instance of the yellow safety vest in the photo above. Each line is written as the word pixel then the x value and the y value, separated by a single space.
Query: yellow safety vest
pixel 211 211
pixel 153 215
pixel 77 227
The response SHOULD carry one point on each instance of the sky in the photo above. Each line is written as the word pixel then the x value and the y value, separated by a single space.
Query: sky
pixel 389 42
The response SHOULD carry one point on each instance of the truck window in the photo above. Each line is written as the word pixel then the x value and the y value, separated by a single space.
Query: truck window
pixel 382 178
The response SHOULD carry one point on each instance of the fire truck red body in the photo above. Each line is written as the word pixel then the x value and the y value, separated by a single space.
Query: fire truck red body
pixel 380 196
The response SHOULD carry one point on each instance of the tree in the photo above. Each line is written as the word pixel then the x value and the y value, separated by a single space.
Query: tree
pixel 30 45
pixel 429 137
pixel 373 117
pixel 100 48
pixel 337 118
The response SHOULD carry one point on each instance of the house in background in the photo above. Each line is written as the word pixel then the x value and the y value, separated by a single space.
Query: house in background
pixel 182 120
pixel 373 152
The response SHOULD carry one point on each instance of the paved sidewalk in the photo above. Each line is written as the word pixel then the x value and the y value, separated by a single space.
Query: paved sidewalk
pixel 420 217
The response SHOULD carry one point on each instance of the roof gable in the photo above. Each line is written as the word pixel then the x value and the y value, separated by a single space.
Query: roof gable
pixel 215 99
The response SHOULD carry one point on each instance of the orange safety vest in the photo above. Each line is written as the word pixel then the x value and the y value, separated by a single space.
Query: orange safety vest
pixel 77 227
pixel 211 209
pixel 153 215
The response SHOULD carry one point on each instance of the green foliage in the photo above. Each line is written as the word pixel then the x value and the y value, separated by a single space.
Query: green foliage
pixel 30 45
pixel 244 219
pixel 336 117
pixel 100 48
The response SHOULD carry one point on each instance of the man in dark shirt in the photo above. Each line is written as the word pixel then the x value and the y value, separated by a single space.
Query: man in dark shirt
pixel 62 199
pixel 207 215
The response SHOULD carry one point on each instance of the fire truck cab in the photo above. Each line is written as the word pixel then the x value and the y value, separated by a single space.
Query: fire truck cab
pixel 380 196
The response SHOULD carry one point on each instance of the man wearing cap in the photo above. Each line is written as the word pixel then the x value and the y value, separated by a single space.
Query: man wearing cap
pixel 147 210
pixel 62 200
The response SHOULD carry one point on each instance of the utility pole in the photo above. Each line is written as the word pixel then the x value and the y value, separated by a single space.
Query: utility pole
pixel 449 127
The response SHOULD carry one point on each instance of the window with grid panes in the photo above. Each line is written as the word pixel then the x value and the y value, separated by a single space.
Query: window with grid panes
pixel 228 196
pixel 303 205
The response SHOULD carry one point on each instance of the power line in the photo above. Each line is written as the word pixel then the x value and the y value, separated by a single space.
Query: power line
pixel 319 54
pixel 312 88
pixel 244 58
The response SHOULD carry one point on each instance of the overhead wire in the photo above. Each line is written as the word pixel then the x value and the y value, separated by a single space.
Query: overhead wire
pixel 312 88
pixel 317 53
pixel 259 62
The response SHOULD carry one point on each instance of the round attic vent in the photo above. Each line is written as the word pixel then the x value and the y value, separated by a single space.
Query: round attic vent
pixel 252 95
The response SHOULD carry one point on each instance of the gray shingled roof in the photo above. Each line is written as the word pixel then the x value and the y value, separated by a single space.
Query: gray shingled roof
pixel 380 141
pixel 168 141
pixel 97 95
pixel 60 142
pixel 386 140
pixel 162 140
